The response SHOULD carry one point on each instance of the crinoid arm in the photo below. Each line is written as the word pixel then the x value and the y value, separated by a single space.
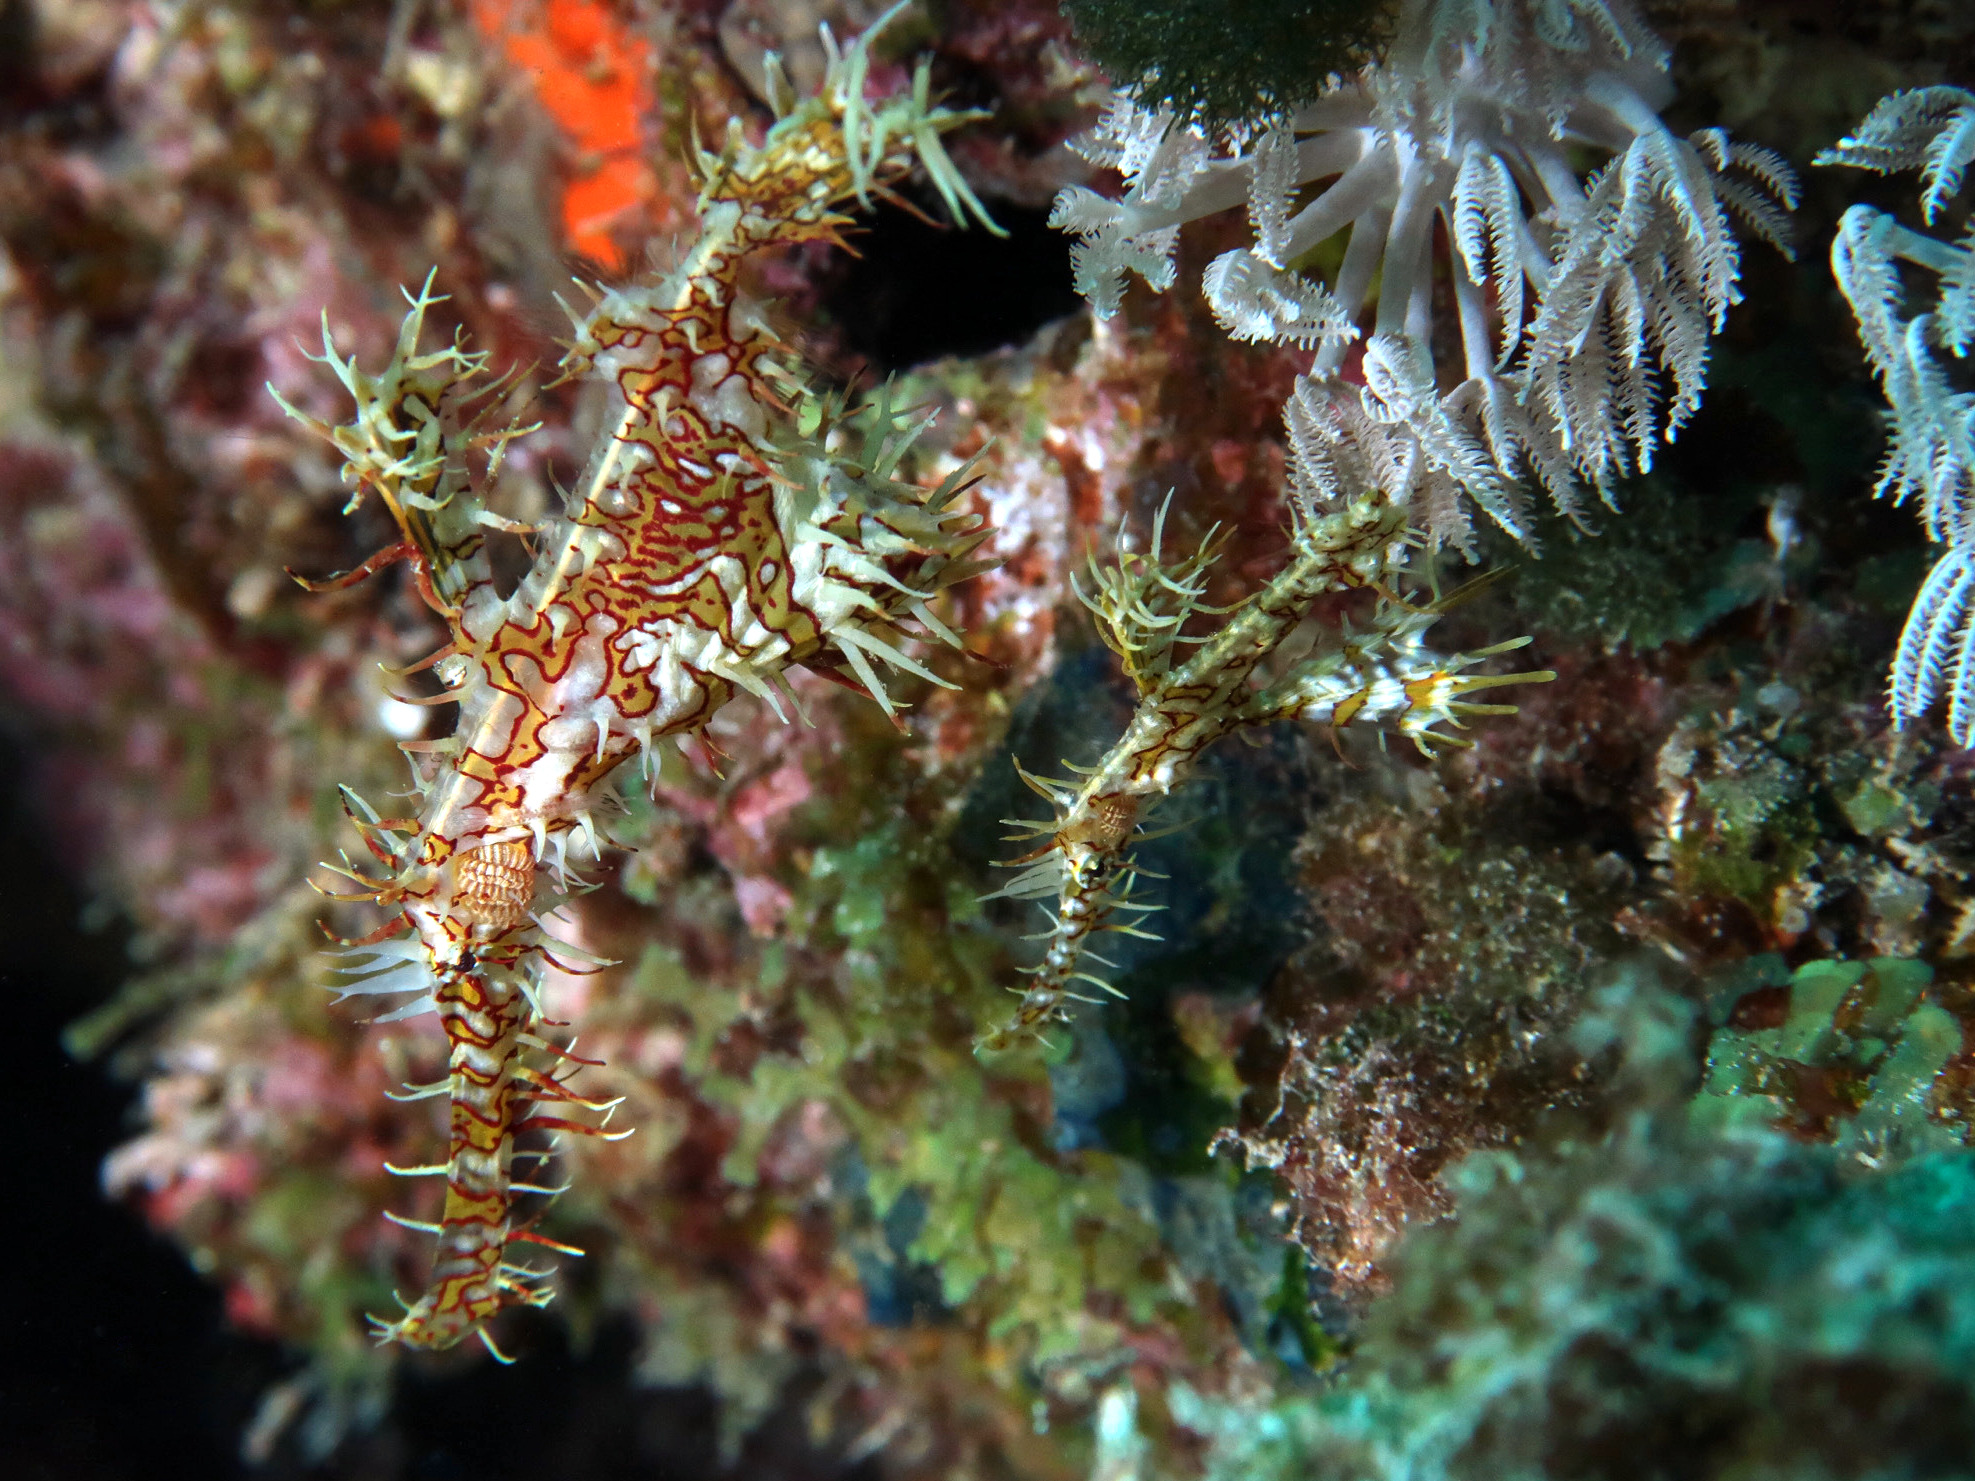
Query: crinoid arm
pixel 1920 361
pixel 1929 129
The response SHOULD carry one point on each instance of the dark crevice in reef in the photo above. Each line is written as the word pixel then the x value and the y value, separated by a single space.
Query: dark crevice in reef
pixel 921 290
pixel 576 1413
pixel 121 1354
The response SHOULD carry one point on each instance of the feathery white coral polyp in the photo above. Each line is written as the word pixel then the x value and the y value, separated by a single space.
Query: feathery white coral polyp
pixel 1931 452
pixel 1574 296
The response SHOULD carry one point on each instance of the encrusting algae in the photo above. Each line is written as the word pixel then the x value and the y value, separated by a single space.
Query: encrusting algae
pixel 1668 963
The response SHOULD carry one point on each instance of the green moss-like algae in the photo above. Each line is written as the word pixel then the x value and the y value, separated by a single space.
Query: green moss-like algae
pixel 1227 60
pixel 1667 1299
pixel 1859 1046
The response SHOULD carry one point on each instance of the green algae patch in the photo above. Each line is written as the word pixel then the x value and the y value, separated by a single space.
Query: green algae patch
pixel 1854 1058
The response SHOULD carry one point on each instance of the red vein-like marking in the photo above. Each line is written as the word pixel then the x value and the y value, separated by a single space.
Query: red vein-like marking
pixel 484 1019
pixel 668 583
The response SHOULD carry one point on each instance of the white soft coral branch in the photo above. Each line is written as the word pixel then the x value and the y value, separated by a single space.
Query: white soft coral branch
pixel 1576 298
pixel 1931 453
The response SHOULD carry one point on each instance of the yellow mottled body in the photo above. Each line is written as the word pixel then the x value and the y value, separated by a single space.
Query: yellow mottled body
pixel 1384 677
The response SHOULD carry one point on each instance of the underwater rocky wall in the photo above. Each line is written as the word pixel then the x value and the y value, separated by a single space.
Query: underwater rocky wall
pixel 1589 1101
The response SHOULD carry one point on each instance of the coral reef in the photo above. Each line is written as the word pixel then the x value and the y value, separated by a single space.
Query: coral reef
pixel 1586 1100
pixel 1661 1299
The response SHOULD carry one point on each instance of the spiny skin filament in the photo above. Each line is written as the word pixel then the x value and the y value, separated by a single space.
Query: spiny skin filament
pixel 1381 676
pixel 730 525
